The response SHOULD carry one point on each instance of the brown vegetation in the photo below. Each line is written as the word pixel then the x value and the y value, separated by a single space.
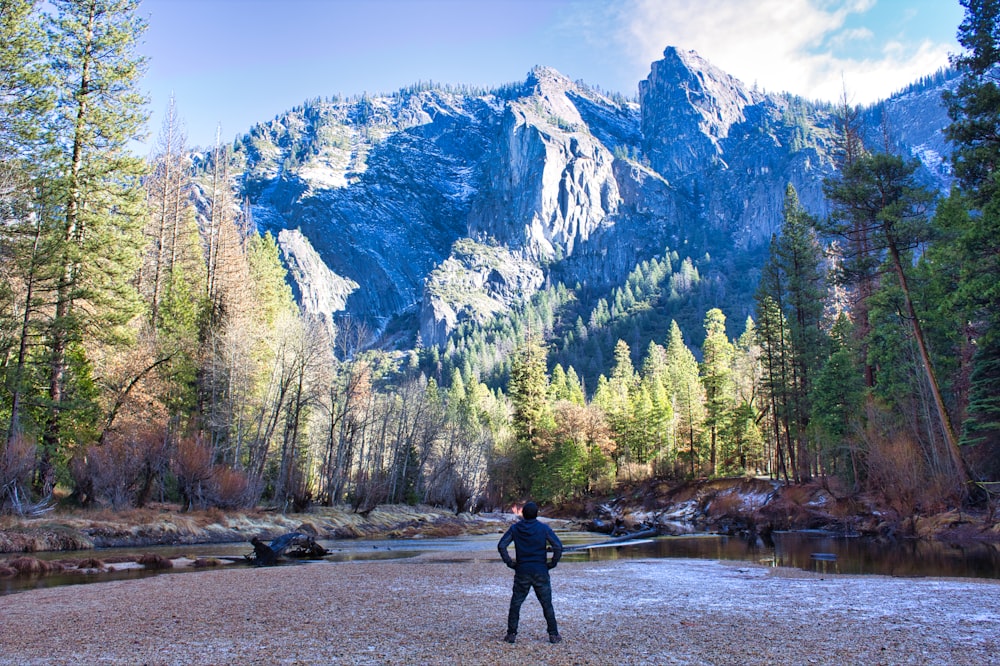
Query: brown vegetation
pixel 154 561
pixel 32 566
pixel 17 462
pixel 90 563
pixel 40 536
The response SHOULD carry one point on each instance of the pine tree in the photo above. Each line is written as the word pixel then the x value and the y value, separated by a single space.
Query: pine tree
pixel 772 336
pixel 25 85
pixel 881 190
pixel 26 96
pixel 974 107
pixel 795 280
pixel 95 195
pixel 838 397
pixel 974 238
pixel 746 452
pixel 532 419
pixel 575 388
pixel 716 377
pixel 659 421
pixel 615 396
pixel 687 396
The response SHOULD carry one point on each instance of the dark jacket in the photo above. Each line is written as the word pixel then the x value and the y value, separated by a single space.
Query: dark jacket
pixel 530 538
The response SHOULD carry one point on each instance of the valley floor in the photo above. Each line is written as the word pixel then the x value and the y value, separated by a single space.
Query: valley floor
pixel 445 608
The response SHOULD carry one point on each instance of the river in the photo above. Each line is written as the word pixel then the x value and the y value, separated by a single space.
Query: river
pixel 811 551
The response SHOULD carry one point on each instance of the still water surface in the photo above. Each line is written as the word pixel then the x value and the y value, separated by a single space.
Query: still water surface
pixel 817 552
pixel 824 553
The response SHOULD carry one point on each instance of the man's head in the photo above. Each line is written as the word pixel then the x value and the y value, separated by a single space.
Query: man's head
pixel 529 511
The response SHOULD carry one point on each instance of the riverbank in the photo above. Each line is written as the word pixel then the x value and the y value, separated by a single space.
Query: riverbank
pixel 756 507
pixel 443 608
pixel 166 525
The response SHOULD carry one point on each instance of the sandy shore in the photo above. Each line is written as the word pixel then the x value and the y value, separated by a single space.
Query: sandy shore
pixel 447 608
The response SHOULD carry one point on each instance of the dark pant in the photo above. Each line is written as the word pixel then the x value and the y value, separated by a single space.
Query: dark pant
pixel 523 582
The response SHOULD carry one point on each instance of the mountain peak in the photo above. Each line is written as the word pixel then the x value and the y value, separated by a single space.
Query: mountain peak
pixel 544 79
pixel 682 89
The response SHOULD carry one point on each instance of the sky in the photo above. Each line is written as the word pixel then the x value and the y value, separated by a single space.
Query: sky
pixel 231 64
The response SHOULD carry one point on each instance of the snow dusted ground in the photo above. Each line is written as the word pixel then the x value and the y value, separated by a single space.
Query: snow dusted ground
pixel 447 607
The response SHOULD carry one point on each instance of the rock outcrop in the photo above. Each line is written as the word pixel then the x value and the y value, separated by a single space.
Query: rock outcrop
pixel 437 205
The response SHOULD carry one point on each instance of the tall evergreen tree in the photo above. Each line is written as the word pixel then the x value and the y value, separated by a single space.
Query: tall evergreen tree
pixel 716 377
pixel 25 84
pixel 743 432
pixel 974 108
pixel 837 398
pixel 658 421
pixel 95 192
pixel 772 336
pixel 795 280
pixel 881 190
pixel 26 97
pixel 532 418
pixel 687 396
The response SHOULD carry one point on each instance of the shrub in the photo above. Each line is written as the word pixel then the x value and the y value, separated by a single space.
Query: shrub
pixel 17 461
pixel 122 470
pixel 231 487
pixel 896 472
pixel 193 469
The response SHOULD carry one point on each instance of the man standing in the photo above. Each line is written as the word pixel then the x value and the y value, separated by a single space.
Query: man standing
pixel 531 570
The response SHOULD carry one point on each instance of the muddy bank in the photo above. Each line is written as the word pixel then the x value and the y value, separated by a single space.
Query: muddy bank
pixel 451 607
pixel 166 525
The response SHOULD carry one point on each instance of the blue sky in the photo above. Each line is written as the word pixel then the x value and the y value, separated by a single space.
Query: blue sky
pixel 234 63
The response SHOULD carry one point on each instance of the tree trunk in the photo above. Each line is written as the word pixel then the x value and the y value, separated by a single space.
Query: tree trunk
pixel 951 441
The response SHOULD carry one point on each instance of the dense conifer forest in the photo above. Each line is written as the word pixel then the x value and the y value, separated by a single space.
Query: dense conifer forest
pixel 151 348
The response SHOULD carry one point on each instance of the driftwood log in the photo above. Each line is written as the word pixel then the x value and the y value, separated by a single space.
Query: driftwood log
pixel 644 534
pixel 292 544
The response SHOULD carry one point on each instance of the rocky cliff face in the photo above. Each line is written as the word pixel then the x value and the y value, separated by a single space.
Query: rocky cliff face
pixel 450 205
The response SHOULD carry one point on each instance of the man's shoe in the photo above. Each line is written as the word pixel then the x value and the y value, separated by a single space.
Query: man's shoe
pixel 555 638
pixel 510 638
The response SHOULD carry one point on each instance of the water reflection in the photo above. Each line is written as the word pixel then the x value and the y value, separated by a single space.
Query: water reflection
pixel 817 552
pixel 821 553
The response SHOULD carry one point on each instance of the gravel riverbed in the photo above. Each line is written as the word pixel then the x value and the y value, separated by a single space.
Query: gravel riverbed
pixel 451 608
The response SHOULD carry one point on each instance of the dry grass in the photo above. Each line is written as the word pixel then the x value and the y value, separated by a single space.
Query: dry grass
pixel 91 563
pixel 166 524
pixel 154 561
pixel 726 505
pixel 32 566
pixel 40 536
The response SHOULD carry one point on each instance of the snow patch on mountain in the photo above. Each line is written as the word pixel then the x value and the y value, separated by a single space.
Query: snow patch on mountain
pixel 321 291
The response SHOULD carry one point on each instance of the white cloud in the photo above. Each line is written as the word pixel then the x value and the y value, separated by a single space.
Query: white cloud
pixel 781 45
pixel 845 37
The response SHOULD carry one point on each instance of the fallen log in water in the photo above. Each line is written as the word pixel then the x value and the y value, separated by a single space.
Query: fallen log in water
pixel 635 536
pixel 293 544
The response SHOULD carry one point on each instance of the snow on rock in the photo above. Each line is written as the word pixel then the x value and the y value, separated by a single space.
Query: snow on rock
pixel 322 292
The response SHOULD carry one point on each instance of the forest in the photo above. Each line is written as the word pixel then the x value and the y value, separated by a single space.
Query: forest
pixel 151 348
